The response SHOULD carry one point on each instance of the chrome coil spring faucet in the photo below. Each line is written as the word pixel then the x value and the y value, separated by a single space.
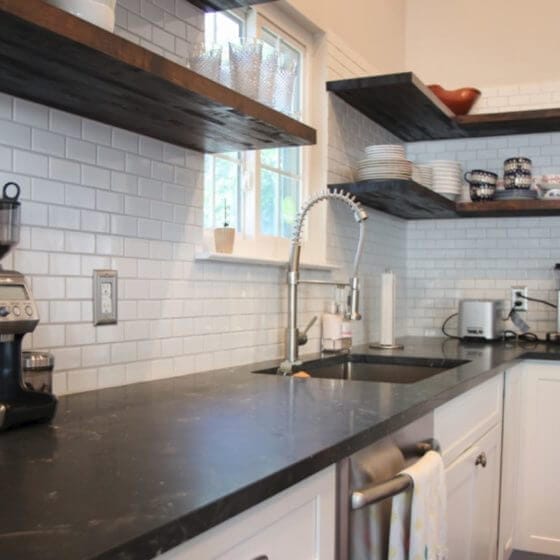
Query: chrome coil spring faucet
pixel 293 337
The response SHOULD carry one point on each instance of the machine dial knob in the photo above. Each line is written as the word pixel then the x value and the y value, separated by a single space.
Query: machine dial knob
pixel 29 310
pixel 16 311
pixel 4 311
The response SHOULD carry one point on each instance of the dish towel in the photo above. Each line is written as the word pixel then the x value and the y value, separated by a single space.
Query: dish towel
pixel 418 517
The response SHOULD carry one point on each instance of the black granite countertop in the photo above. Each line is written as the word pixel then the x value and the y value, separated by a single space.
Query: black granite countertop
pixel 130 472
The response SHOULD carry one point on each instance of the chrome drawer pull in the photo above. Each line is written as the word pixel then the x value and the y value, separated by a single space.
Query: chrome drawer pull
pixel 481 460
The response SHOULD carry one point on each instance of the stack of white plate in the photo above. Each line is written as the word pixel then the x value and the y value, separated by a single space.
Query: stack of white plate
pixel 447 178
pixel 423 175
pixel 384 161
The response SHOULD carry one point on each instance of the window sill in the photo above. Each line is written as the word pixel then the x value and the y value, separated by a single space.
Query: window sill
pixel 258 261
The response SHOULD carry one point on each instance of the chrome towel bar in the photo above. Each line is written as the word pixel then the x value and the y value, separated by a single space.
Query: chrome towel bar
pixel 378 492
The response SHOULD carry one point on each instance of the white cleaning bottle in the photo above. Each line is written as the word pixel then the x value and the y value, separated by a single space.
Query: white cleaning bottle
pixel 332 329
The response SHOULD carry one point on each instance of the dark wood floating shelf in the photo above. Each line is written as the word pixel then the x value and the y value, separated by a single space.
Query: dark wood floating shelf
pixel 411 201
pixel 219 5
pixel 403 105
pixel 509 208
pixel 402 198
pixel 51 57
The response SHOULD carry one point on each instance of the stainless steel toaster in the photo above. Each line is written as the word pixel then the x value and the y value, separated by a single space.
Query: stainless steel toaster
pixel 481 319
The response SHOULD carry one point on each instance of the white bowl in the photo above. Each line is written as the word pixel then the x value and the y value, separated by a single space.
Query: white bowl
pixel 98 12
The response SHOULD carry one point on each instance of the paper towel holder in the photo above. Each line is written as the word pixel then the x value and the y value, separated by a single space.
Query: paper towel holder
pixel 387 296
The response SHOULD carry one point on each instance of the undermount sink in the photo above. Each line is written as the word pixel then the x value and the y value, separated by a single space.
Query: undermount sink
pixel 379 369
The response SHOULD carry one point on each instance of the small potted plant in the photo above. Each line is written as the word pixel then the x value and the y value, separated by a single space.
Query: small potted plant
pixel 224 237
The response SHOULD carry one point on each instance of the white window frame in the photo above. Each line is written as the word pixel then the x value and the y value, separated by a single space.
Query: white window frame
pixel 250 242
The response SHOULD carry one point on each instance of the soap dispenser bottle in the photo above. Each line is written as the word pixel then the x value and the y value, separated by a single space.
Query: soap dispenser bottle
pixel 331 340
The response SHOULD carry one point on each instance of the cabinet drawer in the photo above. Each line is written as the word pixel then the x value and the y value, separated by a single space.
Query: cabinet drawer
pixel 462 421
pixel 298 524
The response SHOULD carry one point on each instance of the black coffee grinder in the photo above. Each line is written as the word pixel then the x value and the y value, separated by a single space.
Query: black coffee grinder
pixel 18 316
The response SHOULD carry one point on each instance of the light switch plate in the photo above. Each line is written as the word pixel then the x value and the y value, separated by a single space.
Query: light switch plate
pixel 105 297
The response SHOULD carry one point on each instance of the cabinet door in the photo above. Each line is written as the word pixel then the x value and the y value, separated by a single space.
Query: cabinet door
pixel 538 512
pixel 297 524
pixel 486 511
pixel 472 500
pixel 460 478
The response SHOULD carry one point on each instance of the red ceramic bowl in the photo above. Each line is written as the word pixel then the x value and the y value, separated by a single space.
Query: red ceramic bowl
pixel 460 101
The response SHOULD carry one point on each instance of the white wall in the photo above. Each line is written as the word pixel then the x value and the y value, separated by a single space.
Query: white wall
pixel 482 43
pixel 373 29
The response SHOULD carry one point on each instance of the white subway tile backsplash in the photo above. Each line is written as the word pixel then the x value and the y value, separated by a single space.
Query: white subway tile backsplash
pixel 125 140
pixel 137 165
pixel 48 143
pixel 150 229
pixel 45 287
pixel 82 197
pixel 123 182
pixel 79 288
pixel 94 221
pixel 124 225
pixel 82 380
pixel 96 132
pixel 96 355
pixel 81 151
pixel 111 376
pixel 63 264
pixel 6 106
pixel 6 158
pixel 29 113
pixel 66 124
pixel 111 158
pixel 137 206
pixel 29 163
pixel 96 177
pixel 45 190
pixel 109 202
pixel 14 134
pixel 43 239
pixel 65 311
pixel 63 217
pixel 48 336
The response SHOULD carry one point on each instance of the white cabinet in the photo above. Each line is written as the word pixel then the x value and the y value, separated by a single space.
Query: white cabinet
pixel 298 523
pixel 537 492
pixel 469 431
pixel 472 500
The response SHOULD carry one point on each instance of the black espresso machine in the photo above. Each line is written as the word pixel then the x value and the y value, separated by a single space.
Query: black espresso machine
pixel 18 316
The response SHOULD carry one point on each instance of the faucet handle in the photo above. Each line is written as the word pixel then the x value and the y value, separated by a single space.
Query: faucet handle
pixel 302 337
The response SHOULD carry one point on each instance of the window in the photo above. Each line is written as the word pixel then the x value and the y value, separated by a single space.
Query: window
pixel 262 190
pixel 223 173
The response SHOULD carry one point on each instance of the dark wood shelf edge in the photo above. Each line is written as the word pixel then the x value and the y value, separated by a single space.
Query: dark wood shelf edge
pixel 342 86
pixel 404 199
pixel 408 200
pixel 56 59
pixel 509 208
pixel 439 122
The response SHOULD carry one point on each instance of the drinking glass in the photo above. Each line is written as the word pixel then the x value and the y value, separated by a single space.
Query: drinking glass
pixel 267 79
pixel 206 60
pixel 245 58
pixel 285 82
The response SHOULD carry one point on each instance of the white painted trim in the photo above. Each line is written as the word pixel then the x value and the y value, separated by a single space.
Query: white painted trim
pixel 259 261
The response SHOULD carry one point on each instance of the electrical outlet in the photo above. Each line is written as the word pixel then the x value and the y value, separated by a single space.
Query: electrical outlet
pixel 519 303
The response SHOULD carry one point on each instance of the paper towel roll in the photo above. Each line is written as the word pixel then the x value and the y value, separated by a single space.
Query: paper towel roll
pixel 387 308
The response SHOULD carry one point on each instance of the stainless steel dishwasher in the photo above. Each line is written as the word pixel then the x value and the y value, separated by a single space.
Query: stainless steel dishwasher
pixel 367 481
